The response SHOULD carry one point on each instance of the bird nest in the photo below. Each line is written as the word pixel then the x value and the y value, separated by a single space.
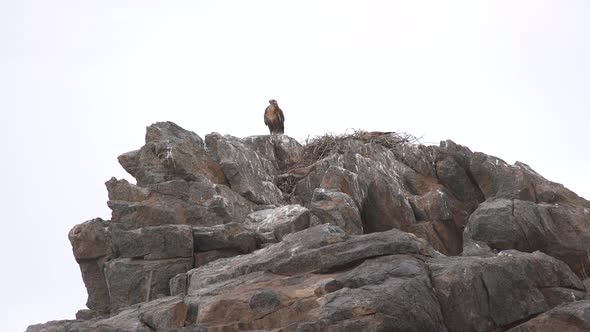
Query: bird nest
pixel 323 146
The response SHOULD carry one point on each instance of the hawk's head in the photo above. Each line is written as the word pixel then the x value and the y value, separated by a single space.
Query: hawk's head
pixel 273 102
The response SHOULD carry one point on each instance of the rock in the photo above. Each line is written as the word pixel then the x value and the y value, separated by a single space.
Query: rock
pixel 337 208
pixel 368 285
pixel 122 190
pixel 507 224
pixel 132 281
pixel 339 179
pixel 443 235
pixel 171 153
pixel 314 175
pixel 199 202
pixel 164 314
pixel 386 208
pixel 168 241
pixel 559 230
pixel 159 315
pixel 571 317
pixel 91 246
pixel 249 173
pixel 321 248
pixel 205 242
pixel 396 287
pixel 232 236
pixel 420 158
pixel 90 240
pixel 454 176
pixel 60 326
pixel 279 221
pixel 264 301
pixel 497 179
pixel 96 285
pixel 86 314
pixel 282 150
pixel 205 257
pixel 482 294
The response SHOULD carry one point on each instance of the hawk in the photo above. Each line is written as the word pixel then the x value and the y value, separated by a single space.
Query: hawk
pixel 274 118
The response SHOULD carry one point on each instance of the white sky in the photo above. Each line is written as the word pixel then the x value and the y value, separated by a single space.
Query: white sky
pixel 80 80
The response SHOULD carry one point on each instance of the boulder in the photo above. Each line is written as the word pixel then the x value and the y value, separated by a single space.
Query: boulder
pixel 562 231
pixel 199 202
pixel 498 179
pixel 96 285
pixel 318 278
pixel 90 240
pixel 483 294
pixel 91 246
pixel 339 179
pixel 132 281
pixel 232 236
pixel 248 172
pixel 571 317
pixel 386 207
pixel 320 248
pixel 455 177
pixel 338 209
pixel 281 150
pixel 170 153
pixel 278 222
pixel 168 241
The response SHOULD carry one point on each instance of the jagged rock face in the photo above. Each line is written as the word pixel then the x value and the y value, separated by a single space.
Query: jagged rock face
pixel 370 238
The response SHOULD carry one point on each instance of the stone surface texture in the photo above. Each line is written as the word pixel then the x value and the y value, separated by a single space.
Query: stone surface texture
pixel 369 238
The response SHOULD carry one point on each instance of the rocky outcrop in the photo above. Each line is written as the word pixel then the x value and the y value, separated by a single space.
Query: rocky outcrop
pixel 368 236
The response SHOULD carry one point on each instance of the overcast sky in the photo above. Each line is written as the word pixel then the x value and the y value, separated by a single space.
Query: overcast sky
pixel 80 81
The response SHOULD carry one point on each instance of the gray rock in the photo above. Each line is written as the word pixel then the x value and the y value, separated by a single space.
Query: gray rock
pixel 168 241
pixel 386 207
pixel 454 176
pixel 91 246
pixel 337 208
pixel 562 231
pixel 482 294
pixel 232 236
pixel 282 150
pixel 264 301
pixel 305 187
pixel 90 240
pixel 498 179
pixel 96 285
pixel 278 221
pixel 321 248
pixel 339 179
pixel 396 286
pixel 364 288
pixel 170 153
pixel 122 190
pixel 419 157
pixel 249 173
pixel 571 317
pixel 188 228
pixel 507 224
pixel 205 257
pixel 199 202
pixel 132 281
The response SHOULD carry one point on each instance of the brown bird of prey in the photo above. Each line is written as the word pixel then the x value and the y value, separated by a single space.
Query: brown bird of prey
pixel 274 118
